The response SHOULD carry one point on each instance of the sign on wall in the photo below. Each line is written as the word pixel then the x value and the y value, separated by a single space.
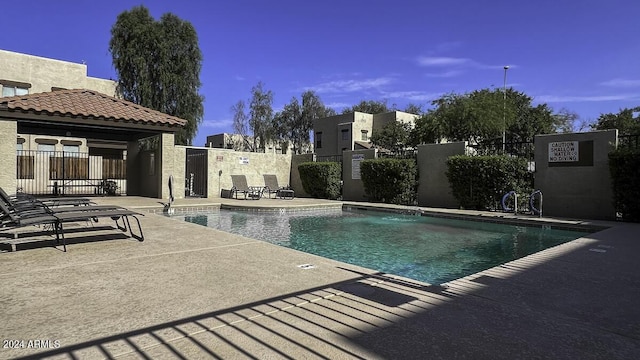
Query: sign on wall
pixel 356 159
pixel 243 160
pixel 564 151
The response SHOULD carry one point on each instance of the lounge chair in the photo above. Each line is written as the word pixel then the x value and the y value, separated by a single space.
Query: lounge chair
pixel 13 219
pixel 51 202
pixel 240 186
pixel 271 185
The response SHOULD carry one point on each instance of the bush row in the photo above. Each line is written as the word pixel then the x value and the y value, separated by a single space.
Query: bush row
pixel 624 165
pixel 321 179
pixel 479 182
pixel 392 181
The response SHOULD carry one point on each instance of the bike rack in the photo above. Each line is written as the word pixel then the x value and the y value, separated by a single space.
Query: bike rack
pixel 531 202
pixel 515 202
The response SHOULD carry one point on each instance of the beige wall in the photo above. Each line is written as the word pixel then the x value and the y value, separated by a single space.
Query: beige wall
pixel 229 162
pixel 8 161
pixel 43 74
pixel 353 189
pixel 31 142
pixel 380 120
pixel 433 186
pixel 583 192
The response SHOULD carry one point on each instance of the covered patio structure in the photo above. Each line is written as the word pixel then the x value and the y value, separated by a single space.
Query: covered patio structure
pixel 92 115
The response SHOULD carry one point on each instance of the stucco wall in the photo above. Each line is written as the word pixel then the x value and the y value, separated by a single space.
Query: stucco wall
pixel 353 189
pixel 43 74
pixel 8 160
pixel 222 163
pixel 433 186
pixel 583 191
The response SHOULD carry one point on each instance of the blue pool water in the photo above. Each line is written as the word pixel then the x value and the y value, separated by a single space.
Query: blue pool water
pixel 429 249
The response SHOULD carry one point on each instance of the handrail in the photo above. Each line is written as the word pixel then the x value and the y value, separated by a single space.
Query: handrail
pixel 531 204
pixel 515 202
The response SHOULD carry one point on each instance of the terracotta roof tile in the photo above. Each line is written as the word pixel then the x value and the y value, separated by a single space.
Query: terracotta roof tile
pixel 89 104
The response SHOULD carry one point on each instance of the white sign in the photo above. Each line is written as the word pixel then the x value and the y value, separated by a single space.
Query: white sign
pixel 563 151
pixel 244 160
pixel 356 159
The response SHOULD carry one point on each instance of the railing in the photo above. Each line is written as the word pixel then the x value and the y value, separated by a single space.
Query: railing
pixel 329 158
pixel 524 149
pixel 64 173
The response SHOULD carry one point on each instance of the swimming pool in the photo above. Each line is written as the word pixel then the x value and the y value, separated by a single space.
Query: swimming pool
pixel 429 249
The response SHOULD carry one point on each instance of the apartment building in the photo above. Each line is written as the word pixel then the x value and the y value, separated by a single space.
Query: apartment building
pixel 351 131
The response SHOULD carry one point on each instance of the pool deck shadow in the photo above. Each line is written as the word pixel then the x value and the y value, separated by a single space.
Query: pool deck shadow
pixel 189 291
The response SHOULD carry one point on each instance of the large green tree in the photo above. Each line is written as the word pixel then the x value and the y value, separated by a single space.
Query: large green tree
pixel 158 65
pixel 369 107
pixel 624 121
pixel 294 123
pixel 483 115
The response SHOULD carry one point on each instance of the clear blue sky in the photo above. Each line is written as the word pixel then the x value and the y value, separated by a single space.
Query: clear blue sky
pixel 580 55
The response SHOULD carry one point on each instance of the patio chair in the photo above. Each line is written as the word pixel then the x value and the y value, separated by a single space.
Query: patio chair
pixel 271 185
pixel 240 186
pixel 14 219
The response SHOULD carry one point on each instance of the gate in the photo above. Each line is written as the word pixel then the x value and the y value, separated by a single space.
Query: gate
pixel 196 173
pixel 70 173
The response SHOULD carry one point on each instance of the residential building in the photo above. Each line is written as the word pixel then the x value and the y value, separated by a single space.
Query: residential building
pixel 22 74
pixel 236 142
pixel 351 131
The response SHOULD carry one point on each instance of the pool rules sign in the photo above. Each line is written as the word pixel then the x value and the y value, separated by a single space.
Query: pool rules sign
pixel 564 151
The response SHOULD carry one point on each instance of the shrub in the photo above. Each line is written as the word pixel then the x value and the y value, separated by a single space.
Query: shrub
pixel 321 179
pixel 479 182
pixel 624 165
pixel 391 181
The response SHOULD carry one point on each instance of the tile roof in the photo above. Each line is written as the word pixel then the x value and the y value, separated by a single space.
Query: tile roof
pixel 89 104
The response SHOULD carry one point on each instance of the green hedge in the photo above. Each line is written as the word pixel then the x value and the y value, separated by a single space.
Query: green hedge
pixel 321 179
pixel 479 182
pixel 624 165
pixel 391 181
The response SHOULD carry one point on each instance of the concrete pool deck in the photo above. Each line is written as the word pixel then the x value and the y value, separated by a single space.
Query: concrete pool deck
pixel 189 292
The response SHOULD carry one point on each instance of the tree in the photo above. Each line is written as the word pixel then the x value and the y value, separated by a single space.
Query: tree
pixel 483 115
pixel 241 126
pixel 369 107
pixel 415 109
pixel 624 121
pixel 158 65
pixel 393 136
pixel 295 122
pixel 261 116
pixel 565 120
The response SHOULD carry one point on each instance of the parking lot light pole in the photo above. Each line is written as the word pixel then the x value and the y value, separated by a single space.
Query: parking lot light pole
pixel 504 109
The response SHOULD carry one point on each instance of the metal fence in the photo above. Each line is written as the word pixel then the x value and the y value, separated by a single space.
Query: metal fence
pixel 70 173
pixel 629 141
pixel 524 149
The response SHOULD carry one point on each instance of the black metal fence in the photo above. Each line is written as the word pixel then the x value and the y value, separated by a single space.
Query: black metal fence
pixel 70 173
pixel 629 141
pixel 524 149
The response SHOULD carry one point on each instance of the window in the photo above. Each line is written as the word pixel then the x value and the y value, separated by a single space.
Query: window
pixel 345 134
pixel 365 135
pixel 71 149
pixel 25 161
pixel 318 140
pixel 13 91
pixel 14 88
pixel 46 147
